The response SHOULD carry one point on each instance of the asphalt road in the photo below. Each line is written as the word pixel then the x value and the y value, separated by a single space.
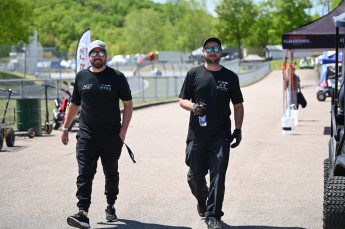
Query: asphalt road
pixel 273 180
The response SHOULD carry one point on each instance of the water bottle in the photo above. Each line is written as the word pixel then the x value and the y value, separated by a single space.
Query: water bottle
pixel 202 120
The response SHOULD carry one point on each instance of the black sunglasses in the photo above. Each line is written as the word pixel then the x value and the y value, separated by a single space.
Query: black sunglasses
pixel 100 53
pixel 209 49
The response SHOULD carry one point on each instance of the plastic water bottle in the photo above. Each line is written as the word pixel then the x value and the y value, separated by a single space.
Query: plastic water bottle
pixel 202 120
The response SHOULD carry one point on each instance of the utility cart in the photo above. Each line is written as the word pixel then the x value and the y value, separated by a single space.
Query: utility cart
pixel 334 165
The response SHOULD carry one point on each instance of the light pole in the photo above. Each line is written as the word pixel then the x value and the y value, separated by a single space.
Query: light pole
pixel 24 50
pixel 22 47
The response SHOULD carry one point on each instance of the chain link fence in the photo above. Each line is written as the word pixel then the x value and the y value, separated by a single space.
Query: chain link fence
pixel 149 81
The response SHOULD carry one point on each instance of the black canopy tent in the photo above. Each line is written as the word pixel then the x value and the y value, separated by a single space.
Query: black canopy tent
pixel 318 35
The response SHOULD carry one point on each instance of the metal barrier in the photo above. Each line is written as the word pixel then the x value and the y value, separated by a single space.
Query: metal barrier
pixel 146 85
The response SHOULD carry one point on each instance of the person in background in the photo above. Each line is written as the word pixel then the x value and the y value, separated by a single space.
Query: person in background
pixel 98 90
pixel 206 93
pixel 292 88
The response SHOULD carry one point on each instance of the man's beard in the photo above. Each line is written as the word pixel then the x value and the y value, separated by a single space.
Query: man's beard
pixel 212 61
pixel 98 64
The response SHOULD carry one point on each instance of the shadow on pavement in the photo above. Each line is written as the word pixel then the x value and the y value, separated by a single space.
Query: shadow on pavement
pixel 136 224
pixel 259 227
pixel 124 223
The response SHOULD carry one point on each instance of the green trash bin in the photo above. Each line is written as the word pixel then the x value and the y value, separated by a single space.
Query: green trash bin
pixel 29 115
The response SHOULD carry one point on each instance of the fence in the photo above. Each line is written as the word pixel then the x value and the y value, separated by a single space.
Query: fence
pixel 156 81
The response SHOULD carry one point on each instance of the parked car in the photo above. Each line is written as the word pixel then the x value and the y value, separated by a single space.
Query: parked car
pixel 118 59
pixel 306 62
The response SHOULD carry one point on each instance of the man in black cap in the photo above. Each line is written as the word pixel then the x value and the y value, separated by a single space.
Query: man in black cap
pixel 206 93
pixel 98 90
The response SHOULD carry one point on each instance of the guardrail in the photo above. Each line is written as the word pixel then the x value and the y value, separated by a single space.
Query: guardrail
pixel 145 87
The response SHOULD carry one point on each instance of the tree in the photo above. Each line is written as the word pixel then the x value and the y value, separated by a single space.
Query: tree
pixel 335 3
pixel 236 20
pixel 143 33
pixel 131 26
pixel 15 21
pixel 288 15
pixel 262 29
pixel 327 5
pixel 193 26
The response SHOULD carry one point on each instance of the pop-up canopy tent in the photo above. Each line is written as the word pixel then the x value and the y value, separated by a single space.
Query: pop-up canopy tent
pixel 319 34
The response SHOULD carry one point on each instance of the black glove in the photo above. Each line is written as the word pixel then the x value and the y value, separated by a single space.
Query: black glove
pixel 236 135
pixel 199 109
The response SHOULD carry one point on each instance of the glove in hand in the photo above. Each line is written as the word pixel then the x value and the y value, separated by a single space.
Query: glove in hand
pixel 237 134
pixel 199 109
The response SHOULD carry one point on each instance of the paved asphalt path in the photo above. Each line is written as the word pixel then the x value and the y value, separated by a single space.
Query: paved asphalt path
pixel 273 180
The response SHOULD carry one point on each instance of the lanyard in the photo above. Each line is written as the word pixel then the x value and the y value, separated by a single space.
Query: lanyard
pixel 130 153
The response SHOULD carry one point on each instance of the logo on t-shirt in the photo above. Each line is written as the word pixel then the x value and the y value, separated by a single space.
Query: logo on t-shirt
pixel 222 85
pixel 86 86
pixel 106 87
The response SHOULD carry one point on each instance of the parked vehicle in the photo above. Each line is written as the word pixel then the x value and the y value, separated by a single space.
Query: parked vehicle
pixel 306 62
pixel 334 164
pixel 324 90
pixel 61 109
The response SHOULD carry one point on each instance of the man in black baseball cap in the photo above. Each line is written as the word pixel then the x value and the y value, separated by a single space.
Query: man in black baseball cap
pixel 207 92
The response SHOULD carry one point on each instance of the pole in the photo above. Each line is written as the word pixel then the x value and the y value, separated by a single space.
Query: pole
pixel 46 97
pixel 24 49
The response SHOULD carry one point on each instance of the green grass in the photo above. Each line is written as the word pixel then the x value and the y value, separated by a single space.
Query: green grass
pixel 277 64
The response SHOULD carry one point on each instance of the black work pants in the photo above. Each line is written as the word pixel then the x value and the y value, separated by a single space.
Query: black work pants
pixel 213 157
pixel 108 148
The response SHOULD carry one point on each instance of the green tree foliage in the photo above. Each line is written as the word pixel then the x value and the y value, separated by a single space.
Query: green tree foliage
pixel 237 18
pixel 335 3
pixel 15 21
pixel 127 26
pixel 132 26
pixel 288 15
pixel 144 26
pixel 327 5
pixel 263 29
pixel 193 26
pixel 176 25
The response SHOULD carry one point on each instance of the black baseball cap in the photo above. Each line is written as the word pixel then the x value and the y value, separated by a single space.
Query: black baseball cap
pixel 215 39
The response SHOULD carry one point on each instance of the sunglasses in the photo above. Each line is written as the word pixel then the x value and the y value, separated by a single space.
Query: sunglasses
pixel 209 49
pixel 100 53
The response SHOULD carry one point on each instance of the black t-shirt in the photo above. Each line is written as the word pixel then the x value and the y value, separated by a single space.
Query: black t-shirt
pixel 99 94
pixel 216 89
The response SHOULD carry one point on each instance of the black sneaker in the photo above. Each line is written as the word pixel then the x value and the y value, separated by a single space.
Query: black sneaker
pixel 110 214
pixel 202 209
pixel 213 223
pixel 79 220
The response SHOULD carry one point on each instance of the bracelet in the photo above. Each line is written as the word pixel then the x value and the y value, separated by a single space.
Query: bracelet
pixel 63 128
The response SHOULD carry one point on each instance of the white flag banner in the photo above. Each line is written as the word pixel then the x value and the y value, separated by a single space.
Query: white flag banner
pixel 82 60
